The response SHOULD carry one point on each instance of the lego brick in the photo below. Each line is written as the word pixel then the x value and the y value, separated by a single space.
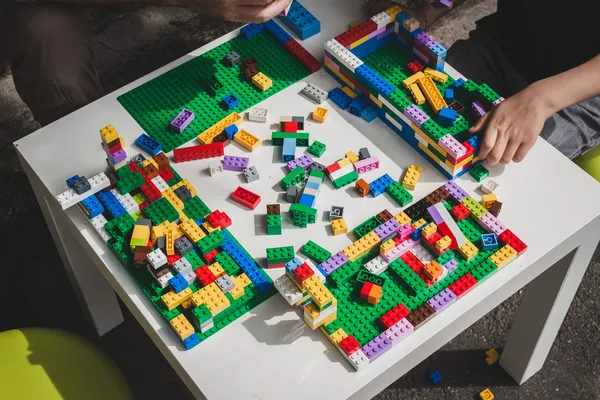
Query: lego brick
pixel 70 197
pixel 233 163
pixel 314 93
pixel 245 197
pixel 251 174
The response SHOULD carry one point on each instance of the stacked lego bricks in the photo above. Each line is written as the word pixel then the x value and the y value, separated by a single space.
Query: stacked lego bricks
pixel 178 251
pixel 401 271
pixel 389 64
pixel 209 86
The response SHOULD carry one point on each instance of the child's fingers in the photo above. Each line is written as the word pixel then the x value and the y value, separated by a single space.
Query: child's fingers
pixel 489 140
pixel 499 147
pixel 511 149
pixel 523 150
pixel 480 123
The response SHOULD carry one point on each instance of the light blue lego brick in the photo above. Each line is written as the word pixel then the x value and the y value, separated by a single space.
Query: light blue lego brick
pixel 307 199
pixel 191 341
pixel 291 265
pixel 288 150
pixel 312 185
pixel 374 80
pixel 489 241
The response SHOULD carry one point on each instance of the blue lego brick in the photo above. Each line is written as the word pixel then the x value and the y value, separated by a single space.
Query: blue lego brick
pixel 312 185
pixel 230 101
pixel 178 283
pixel 449 95
pixel 379 185
pixel 200 221
pixel 93 206
pixel 435 377
pixel 341 99
pixel 416 234
pixel 374 80
pixel 357 105
pixel 71 180
pixel 321 270
pixel 402 16
pixel 246 263
pixel 372 45
pixel 191 341
pixel 277 32
pixel 458 83
pixel 307 199
pixel 301 21
pixel 111 203
pixel 368 114
pixel 475 141
pixel 489 241
pixel 231 130
pixel 447 116
pixel 440 66
pixel 251 30
pixel 291 265
pixel 288 151
pixel 148 144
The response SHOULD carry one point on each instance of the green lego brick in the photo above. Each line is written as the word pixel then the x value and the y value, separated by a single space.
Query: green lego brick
pixel 433 130
pixel 120 226
pixel 274 224
pixel 479 172
pixel 302 138
pixel 279 255
pixel 414 283
pixel 345 273
pixel 399 193
pixel 471 230
pixel 483 270
pixel 315 252
pixel 194 259
pixel 154 104
pixel 366 227
pixel 346 179
pixel 195 208
pixel 388 63
pixel 293 178
pixel 365 276
pixel 470 86
pixel 445 257
pixel 130 182
pixel 211 241
pixel 160 211
pixel 120 249
pixel 214 86
pixel 317 174
pixel 302 215
pixel 201 315
pixel 476 209
pixel 229 265
pixel 317 148
pixel 123 173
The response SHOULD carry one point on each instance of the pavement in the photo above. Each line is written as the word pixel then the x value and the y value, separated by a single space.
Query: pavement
pixel 134 40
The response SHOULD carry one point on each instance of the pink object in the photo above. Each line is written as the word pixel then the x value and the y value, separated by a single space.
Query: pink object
pixel 366 165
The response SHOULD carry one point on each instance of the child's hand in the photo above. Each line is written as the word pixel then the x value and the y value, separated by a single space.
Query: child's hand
pixel 255 11
pixel 512 127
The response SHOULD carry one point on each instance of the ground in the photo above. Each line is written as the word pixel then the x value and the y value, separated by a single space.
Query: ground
pixel 37 290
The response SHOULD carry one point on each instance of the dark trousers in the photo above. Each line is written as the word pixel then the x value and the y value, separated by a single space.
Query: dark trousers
pixel 51 55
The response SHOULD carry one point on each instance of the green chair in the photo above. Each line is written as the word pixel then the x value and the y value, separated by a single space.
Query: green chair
pixel 590 162
pixel 44 364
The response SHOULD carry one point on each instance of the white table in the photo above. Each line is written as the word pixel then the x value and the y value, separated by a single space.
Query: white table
pixel 548 201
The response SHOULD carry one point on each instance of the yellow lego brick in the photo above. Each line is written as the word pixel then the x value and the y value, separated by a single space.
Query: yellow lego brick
pixel 182 216
pixel 208 135
pixel 431 92
pixel 139 198
pixel 157 230
pixel 313 312
pixel 486 395
pixel 242 280
pixel 503 256
pixel 376 100
pixel 187 184
pixel 261 81
pixel 419 223
pixel 468 250
pixel 393 11
pixel 172 300
pixel 213 297
pixel 429 230
pixel 236 292
pixel 177 232
pixel 337 336
pixel 370 241
pixel 319 114
pixel 187 304
pixel 109 134
pixel 344 162
pixel 209 228
pixel 191 230
pixel 339 226
pixel 149 161
pixel 351 93
pixel 173 199
pixel 416 94
pixel 412 79
pixel 140 236
pixel 488 199
pixel 182 326
pixel 412 177
pixel 247 140
pixel 492 356
pixel 359 42
pixel 216 269
pixel 436 75
pixel 402 218
pixel 351 156
pixel 170 243
pixel 326 321
pixel 317 291
pixel 387 246
pixel 443 243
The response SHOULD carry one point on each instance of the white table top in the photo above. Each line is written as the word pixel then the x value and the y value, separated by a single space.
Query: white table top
pixel 269 353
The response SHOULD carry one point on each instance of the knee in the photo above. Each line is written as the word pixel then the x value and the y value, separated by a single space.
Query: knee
pixel 51 26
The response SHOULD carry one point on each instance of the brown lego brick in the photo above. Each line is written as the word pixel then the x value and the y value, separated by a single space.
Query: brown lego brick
pixel 363 187
pixel 418 316
pixel 150 171
pixel 438 195
pixel 384 216
pixel 273 209
pixel 495 208
pixel 140 254
pixel 161 159
pixel 456 106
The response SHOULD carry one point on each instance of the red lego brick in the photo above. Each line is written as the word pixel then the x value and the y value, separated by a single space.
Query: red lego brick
pixel 394 315
pixel 245 197
pixel 431 241
pixel 219 219
pixel 204 275
pixel 143 205
pixel 445 231
pixel 460 212
pixel 289 126
pixel 198 152
pixel 365 291
pixel 415 66
pixel 470 152
pixel 166 174
pixel 172 259
pixel 462 285
pixel 413 262
pixel 302 273
pixel 161 160
pixel 507 237
pixel 134 167
pixel 302 55
pixel 210 256
pixel 150 191
pixel 358 32
pixel 349 345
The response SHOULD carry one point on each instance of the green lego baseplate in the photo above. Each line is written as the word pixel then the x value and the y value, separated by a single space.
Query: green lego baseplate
pixel 155 103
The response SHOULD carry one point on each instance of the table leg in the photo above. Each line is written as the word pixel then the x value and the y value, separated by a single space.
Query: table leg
pixel 542 311
pixel 97 298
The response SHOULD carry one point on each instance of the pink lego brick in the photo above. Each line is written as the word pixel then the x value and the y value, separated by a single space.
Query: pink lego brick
pixel 385 33
pixel 399 250
pixel 491 224
pixel 500 100
pixel 366 165
pixel 399 331
pixel 452 146
pixel 405 231
pixel 451 265
pixel 331 64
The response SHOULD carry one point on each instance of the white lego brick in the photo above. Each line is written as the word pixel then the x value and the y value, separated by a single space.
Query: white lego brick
pixel 341 172
pixel 288 290
pixel 183 266
pixel 488 186
pixel 157 258
pixel 382 19
pixel 394 122
pixel 323 315
pixel 214 167
pixel 358 359
pixel 315 270
pixel 207 326
pixel 163 281
pixel 69 198
pixel 461 240
pixel 389 105
pixel 343 55
pixel 128 203
pixel 189 277
pixel 377 265
pixel 160 183
pixel 422 253
pixel 98 223
pixel 315 93
pixel 258 114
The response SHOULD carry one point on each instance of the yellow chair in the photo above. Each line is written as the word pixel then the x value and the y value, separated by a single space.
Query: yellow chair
pixel 48 364
pixel 590 162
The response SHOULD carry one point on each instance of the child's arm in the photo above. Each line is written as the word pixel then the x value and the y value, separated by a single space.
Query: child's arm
pixel 512 128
